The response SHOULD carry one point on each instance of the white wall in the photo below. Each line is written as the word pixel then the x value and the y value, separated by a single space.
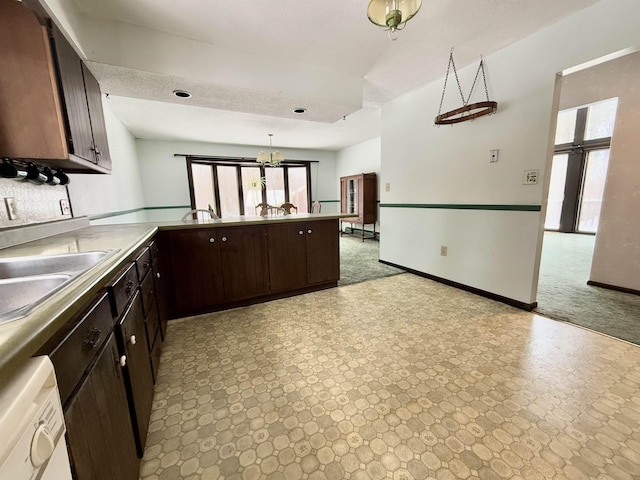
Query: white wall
pixel 616 257
pixel 360 158
pixel 93 194
pixel 164 176
pixel 450 165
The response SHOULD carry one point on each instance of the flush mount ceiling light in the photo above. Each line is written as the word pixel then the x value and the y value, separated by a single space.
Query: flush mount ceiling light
pixel 299 111
pixel 272 159
pixel 392 15
pixel 181 93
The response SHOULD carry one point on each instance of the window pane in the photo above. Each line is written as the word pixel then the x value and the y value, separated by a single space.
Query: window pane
pixel 228 186
pixel 566 127
pixel 275 186
pixel 556 191
pixel 592 190
pixel 203 186
pixel 298 188
pixel 251 189
pixel 600 119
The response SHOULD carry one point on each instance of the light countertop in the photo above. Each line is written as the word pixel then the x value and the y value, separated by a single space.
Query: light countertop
pixel 22 338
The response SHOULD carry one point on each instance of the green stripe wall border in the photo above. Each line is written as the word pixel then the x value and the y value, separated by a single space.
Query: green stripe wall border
pixel 329 201
pixel 464 206
pixel 127 212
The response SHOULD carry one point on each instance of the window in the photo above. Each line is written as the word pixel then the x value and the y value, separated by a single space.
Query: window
pixel 235 186
pixel 579 168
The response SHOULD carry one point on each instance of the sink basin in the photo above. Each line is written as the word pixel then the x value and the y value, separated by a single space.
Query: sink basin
pixel 25 282
pixel 18 295
pixel 45 264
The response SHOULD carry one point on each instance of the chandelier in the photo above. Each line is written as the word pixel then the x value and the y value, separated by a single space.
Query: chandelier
pixel 272 159
pixel 392 15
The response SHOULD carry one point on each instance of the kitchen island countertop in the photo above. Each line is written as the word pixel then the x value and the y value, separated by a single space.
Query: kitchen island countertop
pixel 22 338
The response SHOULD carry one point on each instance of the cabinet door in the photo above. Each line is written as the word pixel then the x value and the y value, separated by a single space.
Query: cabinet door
pixel 99 432
pixel 243 262
pixel 323 251
pixel 31 123
pixel 96 115
pixel 137 373
pixel 287 256
pixel 75 99
pixel 196 283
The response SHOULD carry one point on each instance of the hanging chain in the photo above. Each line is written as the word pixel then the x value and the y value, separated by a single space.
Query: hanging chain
pixel 475 80
pixel 446 77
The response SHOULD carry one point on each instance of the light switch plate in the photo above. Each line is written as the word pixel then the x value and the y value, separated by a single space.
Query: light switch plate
pixel 494 156
pixel 530 177
pixel 387 187
pixel 12 207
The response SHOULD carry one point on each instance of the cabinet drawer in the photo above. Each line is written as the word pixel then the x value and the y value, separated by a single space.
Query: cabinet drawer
pixel 143 264
pixel 123 288
pixel 148 295
pixel 72 357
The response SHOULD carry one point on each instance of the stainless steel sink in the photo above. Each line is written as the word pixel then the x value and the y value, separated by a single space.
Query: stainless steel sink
pixel 26 282
pixel 45 264
pixel 17 295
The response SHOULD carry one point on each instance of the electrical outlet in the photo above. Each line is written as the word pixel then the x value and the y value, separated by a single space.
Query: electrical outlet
pixel 443 250
pixel 387 187
pixel 64 207
pixel 12 207
pixel 494 156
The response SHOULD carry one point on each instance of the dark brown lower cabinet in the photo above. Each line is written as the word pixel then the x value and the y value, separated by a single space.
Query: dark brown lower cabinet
pixel 243 262
pixel 99 432
pixel 303 254
pixel 207 269
pixel 193 259
pixel 137 371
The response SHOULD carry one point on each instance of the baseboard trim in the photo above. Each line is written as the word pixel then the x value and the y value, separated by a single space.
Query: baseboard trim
pixel 614 287
pixel 483 293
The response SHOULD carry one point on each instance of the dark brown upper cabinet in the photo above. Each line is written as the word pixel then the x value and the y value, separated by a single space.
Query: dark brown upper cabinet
pixel 50 103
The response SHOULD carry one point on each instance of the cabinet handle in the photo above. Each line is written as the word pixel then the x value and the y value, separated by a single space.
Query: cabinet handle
pixel 309 231
pixel 132 340
pixel 300 232
pixel 212 240
pixel 91 339
pixel 158 275
pixel 128 286
pixel 224 239
pixel 123 361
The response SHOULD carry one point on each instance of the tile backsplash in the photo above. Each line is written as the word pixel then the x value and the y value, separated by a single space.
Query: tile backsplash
pixel 34 203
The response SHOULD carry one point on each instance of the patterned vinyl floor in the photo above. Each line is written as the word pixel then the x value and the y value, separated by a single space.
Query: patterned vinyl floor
pixel 399 378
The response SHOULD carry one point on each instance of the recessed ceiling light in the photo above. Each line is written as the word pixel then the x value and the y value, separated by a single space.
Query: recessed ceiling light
pixel 181 93
pixel 299 111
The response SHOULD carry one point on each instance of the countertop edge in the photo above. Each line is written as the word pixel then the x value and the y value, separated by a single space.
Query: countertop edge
pixel 32 332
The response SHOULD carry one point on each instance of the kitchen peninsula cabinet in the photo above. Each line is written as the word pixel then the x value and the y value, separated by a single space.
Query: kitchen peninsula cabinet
pixel 50 103
pixel 209 269
pixel 302 254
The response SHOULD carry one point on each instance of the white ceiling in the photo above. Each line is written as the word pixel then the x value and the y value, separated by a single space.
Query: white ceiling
pixel 248 63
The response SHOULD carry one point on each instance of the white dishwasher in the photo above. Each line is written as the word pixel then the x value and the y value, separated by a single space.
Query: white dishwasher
pixel 32 443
